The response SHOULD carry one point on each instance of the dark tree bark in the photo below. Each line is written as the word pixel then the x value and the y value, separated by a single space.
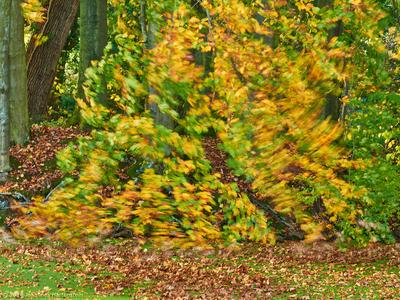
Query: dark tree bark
pixel 93 35
pixel 43 59
pixel 333 106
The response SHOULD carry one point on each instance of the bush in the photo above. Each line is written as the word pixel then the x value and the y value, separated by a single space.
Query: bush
pixel 374 136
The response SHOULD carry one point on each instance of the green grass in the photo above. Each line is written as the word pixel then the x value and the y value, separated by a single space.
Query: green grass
pixel 27 279
pixel 39 280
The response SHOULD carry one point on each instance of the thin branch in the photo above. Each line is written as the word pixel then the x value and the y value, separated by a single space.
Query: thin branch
pixel 61 184
pixel 266 207
pixel 197 3
pixel 241 77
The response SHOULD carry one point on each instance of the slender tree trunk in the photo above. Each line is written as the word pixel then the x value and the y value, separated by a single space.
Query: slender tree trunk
pixel 149 30
pixel 332 107
pixel 42 61
pixel 19 116
pixel 93 35
pixel 5 9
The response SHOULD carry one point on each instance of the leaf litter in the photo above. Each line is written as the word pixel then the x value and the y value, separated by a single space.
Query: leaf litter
pixel 251 271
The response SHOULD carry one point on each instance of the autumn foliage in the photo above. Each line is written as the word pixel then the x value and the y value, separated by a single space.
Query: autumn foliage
pixel 253 74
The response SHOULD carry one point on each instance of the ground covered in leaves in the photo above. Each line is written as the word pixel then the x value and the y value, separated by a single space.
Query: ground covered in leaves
pixel 124 270
pixel 33 165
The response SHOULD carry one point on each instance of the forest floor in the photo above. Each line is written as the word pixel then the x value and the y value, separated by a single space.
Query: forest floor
pixel 34 170
pixel 121 269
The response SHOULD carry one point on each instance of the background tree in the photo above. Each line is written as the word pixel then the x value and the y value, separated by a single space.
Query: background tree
pixel 43 58
pixel 93 34
pixel 149 23
pixel 19 116
pixel 5 10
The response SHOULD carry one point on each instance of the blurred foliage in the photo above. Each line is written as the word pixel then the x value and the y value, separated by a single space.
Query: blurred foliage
pixel 273 65
pixel 35 16
pixel 34 12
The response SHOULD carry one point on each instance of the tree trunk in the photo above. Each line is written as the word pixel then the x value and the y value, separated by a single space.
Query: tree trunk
pixel 42 61
pixel 332 105
pixel 19 116
pixel 5 9
pixel 149 30
pixel 93 35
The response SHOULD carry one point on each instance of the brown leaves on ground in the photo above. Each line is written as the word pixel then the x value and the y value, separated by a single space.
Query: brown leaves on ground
pixel 34 167
pixel 292 270
pixel 218 159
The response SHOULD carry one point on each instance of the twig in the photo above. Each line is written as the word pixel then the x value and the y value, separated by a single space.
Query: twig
pixel 198 1
pixel 52 191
